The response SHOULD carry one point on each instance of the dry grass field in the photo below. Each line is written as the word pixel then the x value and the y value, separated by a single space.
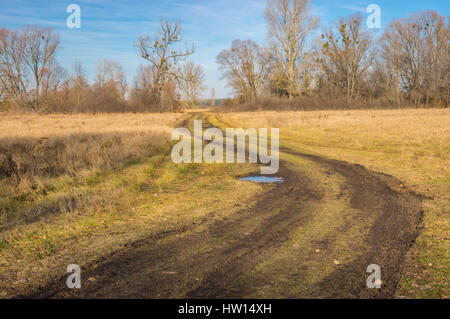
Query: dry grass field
pixel 74 188
pixel 33 147
pixel 101 191
pixel 410 144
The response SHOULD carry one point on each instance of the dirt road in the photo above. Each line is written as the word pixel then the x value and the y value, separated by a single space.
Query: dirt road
pixel 239 256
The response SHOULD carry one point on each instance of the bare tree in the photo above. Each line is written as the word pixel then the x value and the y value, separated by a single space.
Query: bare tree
pixel 289 24
pixel 244 67
pixel 346 54
pixel 116 73
pixel 79 81
pixel 191 81
pixel 53 77
pixel 142 94
pixel 109 87
pixel 161 51
pixel 13 75
pixel 112 73
pixel 40 47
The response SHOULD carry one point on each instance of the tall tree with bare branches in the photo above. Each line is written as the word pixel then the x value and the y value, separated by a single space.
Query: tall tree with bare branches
pixel 244 67
pixel 162 51
pixel 13 73
pixel 79 81
pixel 40 48
pixel 142 95
pixel 191 81
pixel 346 54
pixel 289 24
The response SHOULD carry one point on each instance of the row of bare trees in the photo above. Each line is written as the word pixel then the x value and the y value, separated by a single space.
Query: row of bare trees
pixel 407 64
pixel 415 53
pixel 31 78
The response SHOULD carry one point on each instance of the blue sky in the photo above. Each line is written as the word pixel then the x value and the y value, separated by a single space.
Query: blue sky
pixel 110 28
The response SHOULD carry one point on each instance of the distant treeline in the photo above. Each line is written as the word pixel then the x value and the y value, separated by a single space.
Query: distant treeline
pixel 216 102
pixel 346 66
pixel 32 78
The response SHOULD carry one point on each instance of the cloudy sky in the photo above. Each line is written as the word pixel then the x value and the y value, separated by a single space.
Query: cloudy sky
pixel 110 28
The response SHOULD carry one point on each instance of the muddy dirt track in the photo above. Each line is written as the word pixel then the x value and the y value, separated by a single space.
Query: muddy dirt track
pixel 175 264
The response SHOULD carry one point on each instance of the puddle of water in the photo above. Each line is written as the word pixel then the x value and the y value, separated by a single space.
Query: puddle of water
pixel 262 179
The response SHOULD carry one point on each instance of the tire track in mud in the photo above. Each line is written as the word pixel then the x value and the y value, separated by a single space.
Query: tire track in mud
pixel 157 267
pixel 176 264
pixel 397 225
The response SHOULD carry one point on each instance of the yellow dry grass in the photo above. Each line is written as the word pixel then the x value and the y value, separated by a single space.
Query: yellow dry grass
pixel 421 123
pixel 33 147
pixel 39 126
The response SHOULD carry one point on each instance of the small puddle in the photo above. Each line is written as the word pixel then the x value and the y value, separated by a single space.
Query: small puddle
pixel 262 179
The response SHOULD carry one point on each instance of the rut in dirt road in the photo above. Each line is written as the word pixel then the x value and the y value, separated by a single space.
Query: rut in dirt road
pixel 177 264
pixel 159 267
pixel 397 225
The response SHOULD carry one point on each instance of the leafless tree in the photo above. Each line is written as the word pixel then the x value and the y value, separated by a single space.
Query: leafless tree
pixel 109 87
pixel 191 82
pixel 143 96
pixel 110 73
pixel 79 81
pixel 289 24
pixel 53 77
pixel 162 52
pixel 40 48
pixel 117 74
pixel 244 67
pixel 346 54
pixel 13 75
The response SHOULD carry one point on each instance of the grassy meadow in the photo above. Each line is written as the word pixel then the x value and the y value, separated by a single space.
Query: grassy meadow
pixel 83 186
pixel 410 144
pixel 75 188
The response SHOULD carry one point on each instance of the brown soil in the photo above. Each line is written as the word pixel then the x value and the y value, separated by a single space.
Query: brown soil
pixel 397 224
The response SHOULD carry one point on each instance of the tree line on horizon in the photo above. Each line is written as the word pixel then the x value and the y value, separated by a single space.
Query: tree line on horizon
pixel 345 65
pixel 32 79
